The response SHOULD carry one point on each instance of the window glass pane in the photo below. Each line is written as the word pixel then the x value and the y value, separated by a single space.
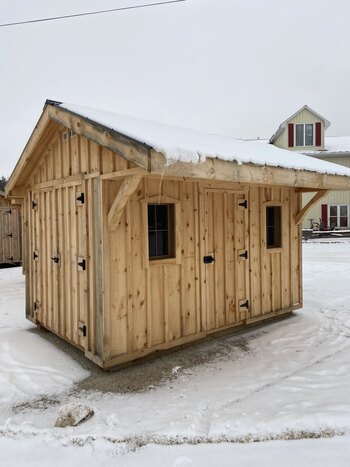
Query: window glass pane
pixel 162 216
pixel 309 134
pixel 270 237
pixel 151 217
pixel 343 222
pixel 343 210
pixel 333 222
pixel 273 227
pixel 161 225
pixel 299 135
pixel 162 243
pixel 270 217
pixel 152 245
pixel 333 211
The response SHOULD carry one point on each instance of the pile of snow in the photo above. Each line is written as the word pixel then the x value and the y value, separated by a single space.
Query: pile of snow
pixel 192 146
pixel 30 367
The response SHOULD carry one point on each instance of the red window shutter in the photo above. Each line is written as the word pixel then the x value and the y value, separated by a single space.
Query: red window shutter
pixel 290 135
pixel 324 214
pixel 318 134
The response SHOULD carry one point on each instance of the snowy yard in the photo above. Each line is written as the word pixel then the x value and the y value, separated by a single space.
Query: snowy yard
pixel 276 395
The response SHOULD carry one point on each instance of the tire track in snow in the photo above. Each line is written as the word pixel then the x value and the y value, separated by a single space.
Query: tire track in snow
pixel 133 442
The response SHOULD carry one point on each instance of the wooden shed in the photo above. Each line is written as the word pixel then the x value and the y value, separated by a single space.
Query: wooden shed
pixel 10 231
pixel 140 236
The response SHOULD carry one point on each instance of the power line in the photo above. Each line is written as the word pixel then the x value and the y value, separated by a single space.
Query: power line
pixel 54 18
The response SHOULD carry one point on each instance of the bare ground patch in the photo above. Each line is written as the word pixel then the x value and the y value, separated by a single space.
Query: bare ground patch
pixel 152 372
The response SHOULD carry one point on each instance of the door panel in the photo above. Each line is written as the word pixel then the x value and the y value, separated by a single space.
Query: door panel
pixel 227 264
pixel 10 248
pixel 59 243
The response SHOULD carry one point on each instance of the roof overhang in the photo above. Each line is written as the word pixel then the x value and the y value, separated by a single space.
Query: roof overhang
pixel 155 163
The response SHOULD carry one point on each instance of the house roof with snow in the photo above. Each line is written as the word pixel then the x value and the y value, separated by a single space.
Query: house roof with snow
pixel 177 151
pixel 285 123
pixel 334 145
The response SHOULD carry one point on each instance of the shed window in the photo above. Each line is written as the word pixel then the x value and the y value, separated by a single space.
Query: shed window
pixel 273 227
pixel 161 231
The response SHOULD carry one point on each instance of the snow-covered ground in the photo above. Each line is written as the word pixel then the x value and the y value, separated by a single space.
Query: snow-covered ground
pixel 281 398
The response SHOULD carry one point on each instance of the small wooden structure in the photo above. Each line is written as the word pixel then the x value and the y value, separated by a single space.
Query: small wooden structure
pixel 127 252
pixel 10 231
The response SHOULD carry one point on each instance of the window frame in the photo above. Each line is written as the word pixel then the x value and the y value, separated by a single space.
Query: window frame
pixel 338 216
pixel 276 245
pixel 304 145
pixel 169 230
pixel 161 261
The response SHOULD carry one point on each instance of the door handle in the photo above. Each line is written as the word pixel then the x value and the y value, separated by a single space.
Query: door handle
pixel 208 259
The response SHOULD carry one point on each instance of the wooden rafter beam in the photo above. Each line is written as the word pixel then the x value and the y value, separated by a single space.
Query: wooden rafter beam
pixel 127 188
pixel 247 173
pixel 124 146
pixel 300 216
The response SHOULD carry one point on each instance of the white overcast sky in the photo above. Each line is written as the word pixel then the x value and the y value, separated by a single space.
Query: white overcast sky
pixel 232 67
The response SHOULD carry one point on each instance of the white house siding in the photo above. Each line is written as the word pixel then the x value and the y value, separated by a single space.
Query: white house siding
pixel 333 198
pixel 336 159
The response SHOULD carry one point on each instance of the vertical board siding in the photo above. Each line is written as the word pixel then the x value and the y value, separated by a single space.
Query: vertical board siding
pixel 255 249
pixel 163 302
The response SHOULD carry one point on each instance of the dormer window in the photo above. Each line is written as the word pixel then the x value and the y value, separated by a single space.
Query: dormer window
pixel 304 134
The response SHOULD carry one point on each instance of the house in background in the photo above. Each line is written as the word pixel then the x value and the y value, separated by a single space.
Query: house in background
pixel 10 231
pixel 141 236
pixel 304 132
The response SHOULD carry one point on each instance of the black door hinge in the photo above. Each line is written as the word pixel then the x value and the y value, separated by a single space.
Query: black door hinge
pixel 9 235
pixel 82 264
pixel 34 204
pixel 81 198
pixel 244 254
pixel 82 329
pixel 35 255
pixel 244 304
pixel 243 204
pixel 9 211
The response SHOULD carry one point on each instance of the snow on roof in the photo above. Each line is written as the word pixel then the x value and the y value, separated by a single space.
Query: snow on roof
pixel 333 145
pixel 192 146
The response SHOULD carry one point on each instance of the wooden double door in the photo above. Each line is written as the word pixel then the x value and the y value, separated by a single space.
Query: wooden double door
pixel 225 261
pixel 58 295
